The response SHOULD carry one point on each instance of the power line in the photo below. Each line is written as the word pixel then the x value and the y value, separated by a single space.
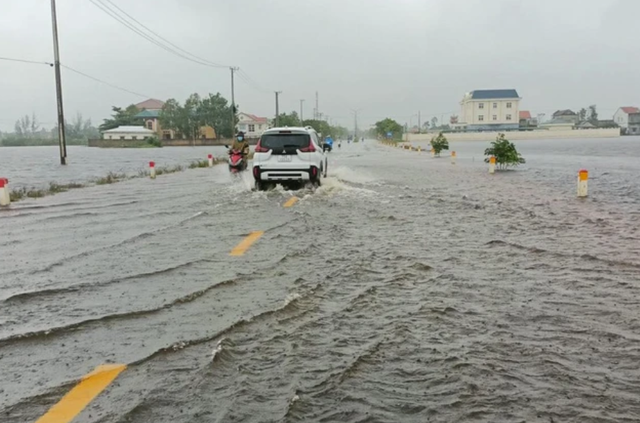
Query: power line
pixel 246 78
pixel 115 15
pixel 104 82
pixel 165 40
pixel 11 59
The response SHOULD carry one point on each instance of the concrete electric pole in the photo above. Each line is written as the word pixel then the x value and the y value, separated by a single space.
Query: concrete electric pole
pixel 56 54
pixel 277 122
pixel 233 103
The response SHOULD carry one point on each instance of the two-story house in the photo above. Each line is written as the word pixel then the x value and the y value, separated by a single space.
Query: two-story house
pixel 252 125
pixel 491 110
pixel 150 116
pixel 621 116
pixel 633 123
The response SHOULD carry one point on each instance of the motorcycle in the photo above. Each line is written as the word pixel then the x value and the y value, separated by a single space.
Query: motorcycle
pixel 237 162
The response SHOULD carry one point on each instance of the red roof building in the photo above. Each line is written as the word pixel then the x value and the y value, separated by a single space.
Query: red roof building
pixel 525 115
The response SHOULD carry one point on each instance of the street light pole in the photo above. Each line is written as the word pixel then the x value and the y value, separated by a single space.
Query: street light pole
pixel 233 102
pixel 301 110
pixel 56 54
pixel 277 122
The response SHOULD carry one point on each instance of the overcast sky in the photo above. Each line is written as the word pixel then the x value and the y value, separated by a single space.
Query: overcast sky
pixel 384 57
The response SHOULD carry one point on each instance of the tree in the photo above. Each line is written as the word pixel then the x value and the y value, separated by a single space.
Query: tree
pixel 321 126
pixel 505 153
pixel 290 119
pixel 439 143
pixel 389 125
pixel 215 111
pixel 121 117
pixel 582 115
pixel 434 122
pixel 593 114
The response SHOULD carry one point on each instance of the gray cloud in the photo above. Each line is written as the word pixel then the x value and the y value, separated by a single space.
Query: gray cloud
pixel 388 58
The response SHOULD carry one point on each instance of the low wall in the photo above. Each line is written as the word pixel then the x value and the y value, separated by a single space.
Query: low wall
pixel 521 135
pixel 165 143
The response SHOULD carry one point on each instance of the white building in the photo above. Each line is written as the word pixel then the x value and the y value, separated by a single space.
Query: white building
pixel 252 125
pixel 621 116
pixel 490 110
pixel 127 133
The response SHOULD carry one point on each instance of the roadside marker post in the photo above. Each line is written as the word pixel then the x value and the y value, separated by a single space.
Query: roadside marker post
pixel 492 164
pixel 210 157
pixel 5 195
pixel 152 170
pixel 583 179
pixel 453 157
pixel 433 152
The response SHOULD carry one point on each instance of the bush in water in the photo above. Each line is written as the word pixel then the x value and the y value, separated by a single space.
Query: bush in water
pixel 439 143
pixel 505 153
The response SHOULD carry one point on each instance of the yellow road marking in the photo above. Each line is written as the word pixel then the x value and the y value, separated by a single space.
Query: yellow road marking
pixel 82 394
pixel 246 243
pixel 290 202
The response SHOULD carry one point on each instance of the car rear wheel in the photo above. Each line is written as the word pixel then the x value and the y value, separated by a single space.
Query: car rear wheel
pixel 324 168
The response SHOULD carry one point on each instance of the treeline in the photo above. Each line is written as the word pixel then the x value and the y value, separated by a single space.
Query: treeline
pixel 321 126
pixel 28 132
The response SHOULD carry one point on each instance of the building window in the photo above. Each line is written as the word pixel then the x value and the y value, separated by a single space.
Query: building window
pixel 481 118
pixel 508 105
pixel 110 137
pixel 495 105
pixel 495 117
pixel 252 128
pixel 121 138
pixel 134 137
pixel 480 105
pixel 149 124
pixel 508 117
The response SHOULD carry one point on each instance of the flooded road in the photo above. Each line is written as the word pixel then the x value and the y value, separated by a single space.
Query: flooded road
pixel 405 289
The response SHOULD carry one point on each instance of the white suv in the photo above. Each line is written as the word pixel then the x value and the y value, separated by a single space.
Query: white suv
pixel 288 156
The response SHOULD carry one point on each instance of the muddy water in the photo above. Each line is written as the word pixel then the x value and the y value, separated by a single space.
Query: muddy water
pixel 404 289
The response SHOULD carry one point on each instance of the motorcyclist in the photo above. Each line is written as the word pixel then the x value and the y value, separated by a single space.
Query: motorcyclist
pixel 240 144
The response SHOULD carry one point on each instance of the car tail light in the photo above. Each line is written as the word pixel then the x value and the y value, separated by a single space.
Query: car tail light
pixel 310 149
pixel 314 171
pixel 256 172
pixel 260 149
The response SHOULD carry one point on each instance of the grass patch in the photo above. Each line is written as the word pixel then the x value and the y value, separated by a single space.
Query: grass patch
pixel 111 178
pixel 169 169
pixel 199 163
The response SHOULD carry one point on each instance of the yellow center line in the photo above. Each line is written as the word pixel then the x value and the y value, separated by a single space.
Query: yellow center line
pixel 290 202
pixel 82 394
pixel 246 243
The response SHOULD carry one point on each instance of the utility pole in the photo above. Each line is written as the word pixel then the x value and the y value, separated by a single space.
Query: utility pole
pixel 419 127
pixel 233 102
pixel 316 116
pixel 301 110
pixel 56 54
pixel 277 109
pixel 355 123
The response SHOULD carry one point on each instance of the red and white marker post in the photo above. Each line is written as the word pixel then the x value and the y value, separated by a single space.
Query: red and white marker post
pixel 152 170
pixel 583 179
pixel 5 197
pixel 210 157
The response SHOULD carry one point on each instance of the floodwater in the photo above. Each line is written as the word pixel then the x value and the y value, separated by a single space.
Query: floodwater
pixel 405 289
pixel 38 166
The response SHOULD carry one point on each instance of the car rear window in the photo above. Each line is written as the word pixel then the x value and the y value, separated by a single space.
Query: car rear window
pixel 285 141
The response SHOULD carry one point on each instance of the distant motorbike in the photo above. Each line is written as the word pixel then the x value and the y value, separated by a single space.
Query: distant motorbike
pixel 237 162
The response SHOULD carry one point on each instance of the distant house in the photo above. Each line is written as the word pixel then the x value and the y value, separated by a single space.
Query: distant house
pixel 558 124
pixel 128 133
pixel 252 125
pixel 586 125
pixel 150 104
pixel 566 115
pixel 490 110
pixel 633 125
pixel 150 116
pixel 621 116
pixel 525 119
